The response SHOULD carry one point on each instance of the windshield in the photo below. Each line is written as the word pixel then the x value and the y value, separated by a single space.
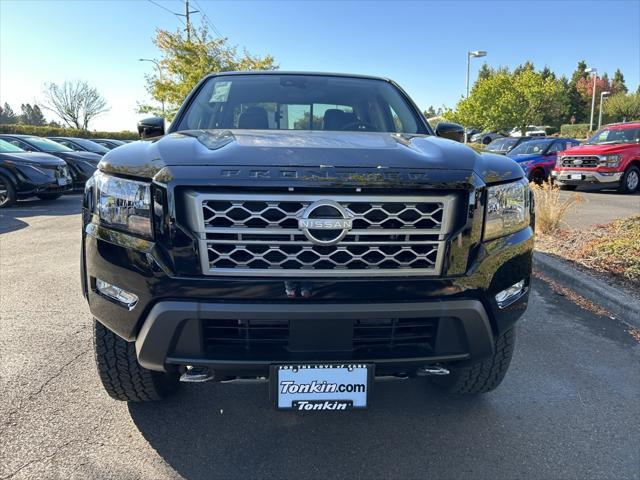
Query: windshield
pixel 91 146
pixel 615 135
pixel 300 102
pixel 530 148
pixel 501 145
pixel 46 145
pixel 6 147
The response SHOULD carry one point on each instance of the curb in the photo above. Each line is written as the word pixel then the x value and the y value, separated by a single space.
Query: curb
pixel 622 305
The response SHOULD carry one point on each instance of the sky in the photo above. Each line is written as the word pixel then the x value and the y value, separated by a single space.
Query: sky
pixel 421 44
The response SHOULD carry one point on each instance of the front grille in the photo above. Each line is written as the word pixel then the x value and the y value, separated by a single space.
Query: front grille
pixel 260 234
pixel 580 161
pixel 245 333
pixel 394 332
pixel 223 335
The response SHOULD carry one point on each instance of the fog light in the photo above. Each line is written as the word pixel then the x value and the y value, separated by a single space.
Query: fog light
pixel 508 296
pixel 121 296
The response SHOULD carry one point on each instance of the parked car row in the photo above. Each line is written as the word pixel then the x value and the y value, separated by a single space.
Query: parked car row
pixel 611 158
pixel 488 136
pixel 46 167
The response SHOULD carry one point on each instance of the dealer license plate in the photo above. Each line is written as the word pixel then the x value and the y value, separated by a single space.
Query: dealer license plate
pixel 321 387
pixel 575 176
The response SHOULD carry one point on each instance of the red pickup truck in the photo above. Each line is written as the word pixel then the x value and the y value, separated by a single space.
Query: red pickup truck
pixel 611 158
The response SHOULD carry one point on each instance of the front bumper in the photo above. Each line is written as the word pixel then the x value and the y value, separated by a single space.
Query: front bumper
pixel 568 177
pixel 31 188
pixel 173 334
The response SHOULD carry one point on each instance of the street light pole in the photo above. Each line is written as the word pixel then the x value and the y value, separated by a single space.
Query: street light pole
pixel 474 54
pixel 602 95
pixel 157 64
pixel 594 71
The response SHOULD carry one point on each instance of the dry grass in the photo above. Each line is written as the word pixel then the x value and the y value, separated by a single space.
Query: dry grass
pixel 550 208
pixel 612 249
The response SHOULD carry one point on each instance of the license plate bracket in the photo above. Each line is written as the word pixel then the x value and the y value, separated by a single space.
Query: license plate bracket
pixel 321 387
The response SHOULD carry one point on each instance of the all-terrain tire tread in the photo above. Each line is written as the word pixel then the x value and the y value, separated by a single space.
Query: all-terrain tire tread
pixel 122 376
pixel 483 376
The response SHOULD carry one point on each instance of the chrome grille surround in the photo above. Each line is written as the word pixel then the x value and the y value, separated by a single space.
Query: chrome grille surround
pixel 258 235
pixel 580 161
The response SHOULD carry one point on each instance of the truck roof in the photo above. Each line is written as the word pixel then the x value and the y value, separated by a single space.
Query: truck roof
pixel 284 72
pixel 622 125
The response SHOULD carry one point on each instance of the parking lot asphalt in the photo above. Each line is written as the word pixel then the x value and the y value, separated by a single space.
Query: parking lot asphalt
pixel 568 408
pixel 600 206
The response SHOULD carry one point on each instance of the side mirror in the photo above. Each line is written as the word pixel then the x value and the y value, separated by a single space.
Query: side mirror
pixel 151 127
pixel 452 131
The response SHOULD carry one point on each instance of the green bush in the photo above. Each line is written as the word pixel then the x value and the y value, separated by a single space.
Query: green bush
pixel 576 130
pixel 47 131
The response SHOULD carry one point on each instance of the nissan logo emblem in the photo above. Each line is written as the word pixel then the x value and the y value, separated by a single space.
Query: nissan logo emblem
pixel 325 222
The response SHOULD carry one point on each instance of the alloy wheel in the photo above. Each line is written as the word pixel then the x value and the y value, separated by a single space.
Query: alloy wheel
pixel 4 192
pixel 632 180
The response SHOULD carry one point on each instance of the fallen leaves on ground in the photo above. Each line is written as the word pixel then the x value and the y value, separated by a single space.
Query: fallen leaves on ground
pixel 612 249
pixel 572 296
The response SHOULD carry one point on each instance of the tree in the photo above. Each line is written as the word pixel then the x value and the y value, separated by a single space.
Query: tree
pixel 528 65
pixel 506 99
pixel 430 112
pixel 7 115
pixel 546 73
pixel 31 115
pixel 578 106
pixel 75 102
pixel 485 72
pixel 623 107
pixel 186 60
pixel 617 84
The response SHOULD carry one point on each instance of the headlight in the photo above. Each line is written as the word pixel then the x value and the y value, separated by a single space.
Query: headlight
pixel 559 162
pixel 611 161
pixel 507 209
pixel 123 204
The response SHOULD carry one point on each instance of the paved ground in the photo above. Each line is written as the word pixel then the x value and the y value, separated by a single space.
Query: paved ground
pixel 568 408
pixel 601 206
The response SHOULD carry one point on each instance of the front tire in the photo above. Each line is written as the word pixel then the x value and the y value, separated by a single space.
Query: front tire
pixel 537 176
pixel 7 192
pixel 49 196
pixel 122 376
pixel 630 182
pixel 482 376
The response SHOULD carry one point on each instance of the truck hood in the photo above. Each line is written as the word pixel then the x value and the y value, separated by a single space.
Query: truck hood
pixel 90 157
pixel 600 149
pixel 301 149
pixel 524 158
pixel 33 158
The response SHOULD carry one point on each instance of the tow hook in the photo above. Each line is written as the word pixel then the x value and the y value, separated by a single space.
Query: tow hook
pixel 196 375
pixel 432 370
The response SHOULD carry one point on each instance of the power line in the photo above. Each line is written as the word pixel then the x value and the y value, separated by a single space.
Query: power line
pixel 208 20
pixel 166 9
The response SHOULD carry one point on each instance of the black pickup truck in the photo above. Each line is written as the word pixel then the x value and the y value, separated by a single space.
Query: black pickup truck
pixel 309 229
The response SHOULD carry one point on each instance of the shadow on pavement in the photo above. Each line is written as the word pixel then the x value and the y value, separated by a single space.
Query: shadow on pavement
pixel 12 218
pixel 231 431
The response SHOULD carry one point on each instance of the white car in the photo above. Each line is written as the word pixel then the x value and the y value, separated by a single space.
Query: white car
pixel 532 131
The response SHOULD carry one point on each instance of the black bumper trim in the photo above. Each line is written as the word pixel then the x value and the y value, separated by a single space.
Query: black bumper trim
pixel 166 319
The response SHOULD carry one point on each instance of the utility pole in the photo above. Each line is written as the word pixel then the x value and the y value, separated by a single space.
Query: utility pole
pixel 594 72
pixel 187 17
